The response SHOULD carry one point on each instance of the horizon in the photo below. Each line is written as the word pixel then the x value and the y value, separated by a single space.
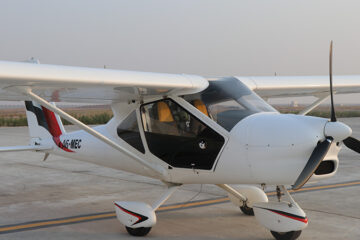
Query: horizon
pixel 203 37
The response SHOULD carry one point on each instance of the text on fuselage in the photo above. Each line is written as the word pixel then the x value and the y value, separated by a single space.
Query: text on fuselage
pixel 72 143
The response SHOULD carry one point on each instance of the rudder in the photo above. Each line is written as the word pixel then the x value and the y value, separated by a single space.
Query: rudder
pixel 42 122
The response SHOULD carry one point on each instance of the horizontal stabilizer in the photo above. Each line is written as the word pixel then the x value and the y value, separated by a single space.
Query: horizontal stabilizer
pixel 23 148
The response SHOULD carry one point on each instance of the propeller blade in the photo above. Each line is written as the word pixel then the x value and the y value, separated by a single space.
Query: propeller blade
pixel 313 163
pixel 353 144
pixel 333 117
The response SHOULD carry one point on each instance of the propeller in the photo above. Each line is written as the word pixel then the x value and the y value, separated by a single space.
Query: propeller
pixel 322 148
pixel 353 144
pixel 334 131
pixel 333 117
pixel 313 163
pixel 349 142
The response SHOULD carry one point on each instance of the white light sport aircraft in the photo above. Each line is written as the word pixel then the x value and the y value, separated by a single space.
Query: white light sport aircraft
pixel 185 129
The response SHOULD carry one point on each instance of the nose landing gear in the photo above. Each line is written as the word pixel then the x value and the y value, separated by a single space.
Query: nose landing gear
pixel 285 220
pixel 286 235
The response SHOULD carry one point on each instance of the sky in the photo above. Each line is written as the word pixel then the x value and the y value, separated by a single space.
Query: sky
pixel 205 37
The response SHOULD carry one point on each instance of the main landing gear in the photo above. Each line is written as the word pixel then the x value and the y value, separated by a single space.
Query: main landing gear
pixel 244 196
pixel 284 219
pixel 138 232
pixel 247 210
pixel 139 217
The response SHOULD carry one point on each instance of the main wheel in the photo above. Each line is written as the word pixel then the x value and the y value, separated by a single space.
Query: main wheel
pixel 286 235
pixel 138 232
pixel 247 210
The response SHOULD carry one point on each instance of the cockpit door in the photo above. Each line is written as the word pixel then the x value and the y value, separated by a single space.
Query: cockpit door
pixel 177 137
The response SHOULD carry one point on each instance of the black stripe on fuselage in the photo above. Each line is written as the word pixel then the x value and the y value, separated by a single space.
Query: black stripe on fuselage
pixel 38 113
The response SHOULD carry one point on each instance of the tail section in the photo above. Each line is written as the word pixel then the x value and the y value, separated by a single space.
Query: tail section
pixel 44 123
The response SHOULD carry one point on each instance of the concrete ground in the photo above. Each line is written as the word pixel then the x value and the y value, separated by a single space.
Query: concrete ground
pixel 33 190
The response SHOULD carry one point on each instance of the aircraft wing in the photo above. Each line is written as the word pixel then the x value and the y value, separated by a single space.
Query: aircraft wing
pixel 289 86
pixel 90 85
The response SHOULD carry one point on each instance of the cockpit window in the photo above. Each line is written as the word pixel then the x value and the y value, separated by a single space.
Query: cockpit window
pixel 128 130
pixel 177 137
pixel 228 101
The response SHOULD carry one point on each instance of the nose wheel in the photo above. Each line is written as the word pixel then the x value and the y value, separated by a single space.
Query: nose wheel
pixel 284 219
pixel 286 235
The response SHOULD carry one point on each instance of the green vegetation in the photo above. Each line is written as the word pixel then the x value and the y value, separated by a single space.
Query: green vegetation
pixel 13 122
pixel 96 118
pixel 326 114
pixel 93 119
pixel 339 114
pixel 100 118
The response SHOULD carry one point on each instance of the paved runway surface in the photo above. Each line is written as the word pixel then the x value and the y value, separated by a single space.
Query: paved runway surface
pixel 67 199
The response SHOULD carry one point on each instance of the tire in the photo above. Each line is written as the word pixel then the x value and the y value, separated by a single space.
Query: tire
pixel 286 235
pixel 247 210
pixel 138 232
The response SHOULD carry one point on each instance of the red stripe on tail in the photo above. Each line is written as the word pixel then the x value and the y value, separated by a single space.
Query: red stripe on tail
pixel 53 125
pixel 54 128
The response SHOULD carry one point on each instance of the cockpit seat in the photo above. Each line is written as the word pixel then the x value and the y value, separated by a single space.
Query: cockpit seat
pixel 164 112
pixel 165 123
pixel 200 106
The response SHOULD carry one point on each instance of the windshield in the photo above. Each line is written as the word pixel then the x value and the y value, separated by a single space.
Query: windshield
pixel 227 101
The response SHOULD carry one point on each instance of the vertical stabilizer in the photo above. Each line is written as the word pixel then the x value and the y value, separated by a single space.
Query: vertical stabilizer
pixel 42 122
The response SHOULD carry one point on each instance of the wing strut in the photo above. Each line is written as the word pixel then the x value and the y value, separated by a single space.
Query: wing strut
pixel 232 191
pixel 314 105
pixel 156 169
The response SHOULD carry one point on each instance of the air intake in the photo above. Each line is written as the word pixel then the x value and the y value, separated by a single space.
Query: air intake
pixel 325 167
